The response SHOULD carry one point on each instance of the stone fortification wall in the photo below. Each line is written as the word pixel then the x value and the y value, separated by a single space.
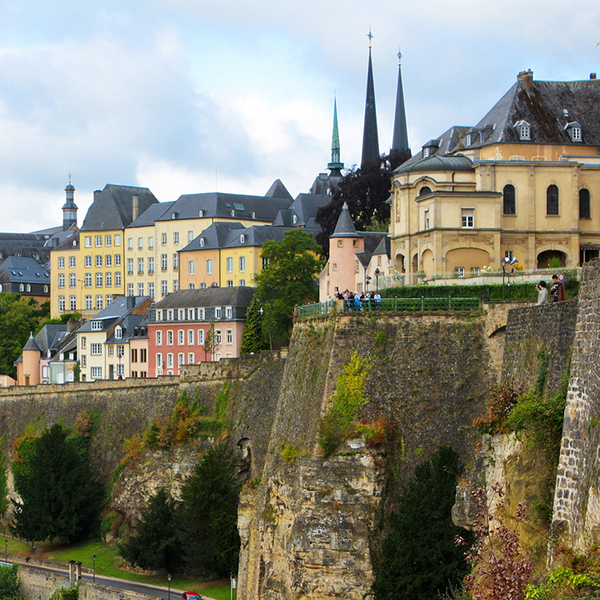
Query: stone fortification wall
pixel 310 528
pixel 529 331
pixel 577 499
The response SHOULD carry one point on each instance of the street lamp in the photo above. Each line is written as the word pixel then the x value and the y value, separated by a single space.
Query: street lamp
pixel 94 569
pixel 169 592
pixel 5 550
pixel 377 271
pixel 505 262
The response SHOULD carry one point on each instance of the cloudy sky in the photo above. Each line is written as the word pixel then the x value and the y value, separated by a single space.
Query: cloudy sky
pixel 188 96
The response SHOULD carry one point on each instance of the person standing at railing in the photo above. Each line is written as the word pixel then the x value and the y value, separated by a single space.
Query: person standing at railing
pixel 542 293
pixel 357 304
pixel 377 299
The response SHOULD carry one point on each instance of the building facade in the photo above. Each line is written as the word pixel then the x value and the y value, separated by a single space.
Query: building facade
pixel 523 183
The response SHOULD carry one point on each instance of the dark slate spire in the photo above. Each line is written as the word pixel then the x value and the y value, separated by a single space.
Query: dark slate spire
pixel 400 138
pixel 70 208
pixel 370 149
pixel 335 166
pixel 345 226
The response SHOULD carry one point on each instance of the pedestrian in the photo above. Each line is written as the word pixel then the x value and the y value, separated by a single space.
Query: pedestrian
pixel 557 289
pixel 357 301
pixel 377 298
pixel 542 293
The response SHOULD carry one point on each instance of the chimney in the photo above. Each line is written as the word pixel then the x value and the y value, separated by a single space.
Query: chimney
pixel 592 75
pixel 527 78
pixel 135 208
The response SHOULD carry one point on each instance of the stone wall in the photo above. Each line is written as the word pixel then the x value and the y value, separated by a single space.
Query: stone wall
pixel 577 500
pixel 530 330
pixel 312 526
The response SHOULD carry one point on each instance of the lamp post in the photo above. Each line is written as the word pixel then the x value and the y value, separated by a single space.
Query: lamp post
pixel 169 589
pixel 505 262
pixel 94 569
pixel 5 550
pixel 377 271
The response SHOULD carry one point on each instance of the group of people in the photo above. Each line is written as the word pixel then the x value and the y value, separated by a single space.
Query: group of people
pixel 356 300
pixel 557 291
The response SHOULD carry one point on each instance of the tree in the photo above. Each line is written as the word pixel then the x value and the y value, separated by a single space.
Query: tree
pixel 208 516
pixel 4 501
pixel 18 318
pixel 420 558
pixel 366 190
pixel 60 496
pixel 210 341
pixel 287 280
pixel 155 544
pixel 10 585
pixel 253 340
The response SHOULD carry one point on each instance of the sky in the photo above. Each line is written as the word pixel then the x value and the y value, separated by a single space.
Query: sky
pixel 191 96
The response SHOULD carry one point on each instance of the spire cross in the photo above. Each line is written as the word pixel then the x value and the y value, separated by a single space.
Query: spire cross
pixel 370 36
pixel 399 58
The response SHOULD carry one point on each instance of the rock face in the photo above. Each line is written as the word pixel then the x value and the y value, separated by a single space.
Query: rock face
pixel 311 529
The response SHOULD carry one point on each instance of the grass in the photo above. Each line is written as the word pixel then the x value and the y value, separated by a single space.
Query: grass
pixel 109 564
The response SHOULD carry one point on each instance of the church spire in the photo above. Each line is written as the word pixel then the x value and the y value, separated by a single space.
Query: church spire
pixel 335 166
pixel 370 149
pixel 69 208
pixel 400 137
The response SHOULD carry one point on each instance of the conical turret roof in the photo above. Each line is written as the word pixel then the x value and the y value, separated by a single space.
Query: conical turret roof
pixel 31 344
pixel 345 226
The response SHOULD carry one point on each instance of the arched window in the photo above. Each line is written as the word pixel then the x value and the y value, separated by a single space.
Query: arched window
pixel 552 200
pixel 508 195
pixel 584 204
pixel 424 190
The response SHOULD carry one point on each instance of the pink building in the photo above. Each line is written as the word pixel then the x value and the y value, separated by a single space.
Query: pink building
pixel 183 326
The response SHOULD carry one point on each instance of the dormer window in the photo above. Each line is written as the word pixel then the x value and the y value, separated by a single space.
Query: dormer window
pixel 523 130
pixel 430 147
pixel 118 332
pixel 242 238
pixel 294 219
pixel 468 139
pixel 201 241
pixel 201 213
pixel 96 325
pixel 574 131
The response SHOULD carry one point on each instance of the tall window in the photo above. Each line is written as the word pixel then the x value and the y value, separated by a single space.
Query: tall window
pixel 209 266
pixel 242 264
pixel 191 267
pixel 584 204
pixel 230 265
pixel 552 200
pixel 61 281
pixel 508 197
pixel 163 261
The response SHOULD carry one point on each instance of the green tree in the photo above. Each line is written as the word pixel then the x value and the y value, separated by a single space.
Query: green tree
pixel 210 341
pixel 420 558
pixel 155 544
pixel 9 583
pixel 60 496
pixel 18 318
pixel 287 280
pixel 4 501
pixel 208 515
pixel 253 340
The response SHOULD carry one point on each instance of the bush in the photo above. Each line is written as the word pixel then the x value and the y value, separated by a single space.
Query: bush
pixel 502 400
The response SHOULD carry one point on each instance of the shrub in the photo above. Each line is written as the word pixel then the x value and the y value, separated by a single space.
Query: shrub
pixel 502 400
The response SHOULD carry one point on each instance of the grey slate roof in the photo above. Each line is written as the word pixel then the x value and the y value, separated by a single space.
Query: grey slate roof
pixel 226 206
pixel 113 207
pixel 226 296
pixel 31 344
pixel 278 190
pixel 256 236
pixel 345 226
pixel 151 214
pixel 117 309
pixel 30 245
pixel 128 325
pixel 19 269
pixel 50 337
pixel 458 162
pixel 69 241
pixel 214 236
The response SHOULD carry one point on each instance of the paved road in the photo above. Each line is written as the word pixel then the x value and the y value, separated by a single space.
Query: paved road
pixel 150 590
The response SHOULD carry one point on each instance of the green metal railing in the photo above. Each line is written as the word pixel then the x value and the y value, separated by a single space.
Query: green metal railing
pixel 391 305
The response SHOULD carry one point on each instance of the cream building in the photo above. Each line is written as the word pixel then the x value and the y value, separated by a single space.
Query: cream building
pixel 524 183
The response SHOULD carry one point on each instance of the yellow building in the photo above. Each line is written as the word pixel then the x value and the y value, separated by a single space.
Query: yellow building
pixel 66 287
pixel 102 243
pixel 192 214
pixel 226 255
pixel 522 184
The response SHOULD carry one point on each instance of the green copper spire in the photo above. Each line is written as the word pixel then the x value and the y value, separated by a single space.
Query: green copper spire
pixel 335 165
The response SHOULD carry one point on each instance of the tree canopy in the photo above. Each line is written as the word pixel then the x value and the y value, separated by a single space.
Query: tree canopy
pixel 19 317
pixel 208 515
pixel 60 496
pixel 420 557
pixel 155 544
pixel 253 340
pixel 287 280
pixel 366 190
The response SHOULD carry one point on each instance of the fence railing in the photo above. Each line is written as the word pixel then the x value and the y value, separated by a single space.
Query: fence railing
pixel 390 305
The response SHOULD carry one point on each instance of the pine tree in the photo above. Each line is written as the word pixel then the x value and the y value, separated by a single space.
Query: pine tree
pixel 155 544
pixel 60 496
pixel 420 558
pixel 253 340
pixel 208 516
